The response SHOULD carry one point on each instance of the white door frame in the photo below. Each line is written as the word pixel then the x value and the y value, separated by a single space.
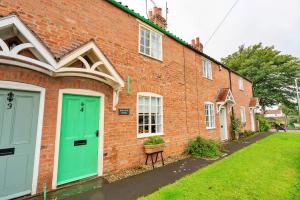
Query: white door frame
pixel 223 117
pixel 252 119
pixel 58 126
pixel 32 88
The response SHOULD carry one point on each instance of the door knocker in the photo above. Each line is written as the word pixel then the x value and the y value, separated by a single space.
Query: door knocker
pixel 10 99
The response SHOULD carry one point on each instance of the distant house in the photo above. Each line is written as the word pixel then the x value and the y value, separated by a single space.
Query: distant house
pixel 274 113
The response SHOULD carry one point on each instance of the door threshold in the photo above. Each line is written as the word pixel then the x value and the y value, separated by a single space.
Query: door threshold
pixel 70 189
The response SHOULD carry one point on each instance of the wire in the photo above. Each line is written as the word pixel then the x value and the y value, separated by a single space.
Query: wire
pixel 221 23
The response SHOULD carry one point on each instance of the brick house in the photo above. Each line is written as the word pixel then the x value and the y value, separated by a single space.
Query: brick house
pixel 71 70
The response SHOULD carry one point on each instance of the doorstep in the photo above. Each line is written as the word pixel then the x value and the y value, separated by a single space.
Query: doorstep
pixel 68 190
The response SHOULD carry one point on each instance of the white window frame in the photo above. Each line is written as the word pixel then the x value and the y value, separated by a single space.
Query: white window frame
pixel 241 83
pixel 243 114
pixel 149 94
pixel 213 115
pixel 161 41
pixel 207 69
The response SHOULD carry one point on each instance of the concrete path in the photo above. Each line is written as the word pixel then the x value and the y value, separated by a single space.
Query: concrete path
pixel 149 182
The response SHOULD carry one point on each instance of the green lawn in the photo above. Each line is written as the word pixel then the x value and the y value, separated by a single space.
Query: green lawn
pixel 268 169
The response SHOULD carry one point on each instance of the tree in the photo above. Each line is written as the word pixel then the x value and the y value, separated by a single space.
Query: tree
pixel 272 73
pixel 287 111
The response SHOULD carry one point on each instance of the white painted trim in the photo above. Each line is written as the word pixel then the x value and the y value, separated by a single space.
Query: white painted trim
pixel 14 20
pixel 28 87
pixel 210 103
pixel 241 83
pixel 77 54
pixel 25 65
pixel 58 126
pixel 244 114
pixel 150 94
pixel 141 24
pixel 224 117
pixel 203 66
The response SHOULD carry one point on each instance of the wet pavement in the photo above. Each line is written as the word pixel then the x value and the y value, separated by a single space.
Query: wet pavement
pixel 145 183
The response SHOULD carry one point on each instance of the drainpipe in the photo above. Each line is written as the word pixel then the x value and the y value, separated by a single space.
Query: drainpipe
pixel 230 86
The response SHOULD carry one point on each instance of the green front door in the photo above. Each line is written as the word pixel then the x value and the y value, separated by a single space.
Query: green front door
pixel 78 150
pixel 18 127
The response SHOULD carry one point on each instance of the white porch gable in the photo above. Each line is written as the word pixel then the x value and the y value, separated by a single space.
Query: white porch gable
pixel 15 38
pixel 88 61
pixel 225 98
pixel 20 47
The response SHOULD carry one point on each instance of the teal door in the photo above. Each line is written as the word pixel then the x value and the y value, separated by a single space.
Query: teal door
pixel 18 128
pixel 78 150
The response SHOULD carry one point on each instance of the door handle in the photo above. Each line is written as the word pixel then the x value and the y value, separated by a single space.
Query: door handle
pixel 6 152
pixel 221 126
pixel 97 133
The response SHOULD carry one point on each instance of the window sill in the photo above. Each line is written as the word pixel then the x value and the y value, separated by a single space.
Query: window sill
pixel 210 79
pixel 146 135
pixel 159 60
pixel 210 128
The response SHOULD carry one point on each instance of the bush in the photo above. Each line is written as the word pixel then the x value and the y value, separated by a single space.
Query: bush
pixel 154 140
pixel 246 133
pixel 236 126
pixel 203 148
pixel 264 125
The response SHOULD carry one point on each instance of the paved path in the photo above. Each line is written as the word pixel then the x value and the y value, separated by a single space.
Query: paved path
pixel 149 182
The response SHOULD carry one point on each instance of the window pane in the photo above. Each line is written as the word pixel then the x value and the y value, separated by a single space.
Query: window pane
pixel 153 129
pixel 153 119
pixel 159 129
pixel 146 129
pixel 141 120
pixel 146 119
pixel 141 129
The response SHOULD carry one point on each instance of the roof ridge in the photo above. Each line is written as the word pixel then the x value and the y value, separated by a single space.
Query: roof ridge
pixel 171 35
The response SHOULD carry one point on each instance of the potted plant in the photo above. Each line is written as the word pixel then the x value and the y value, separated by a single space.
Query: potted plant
pixel 154 144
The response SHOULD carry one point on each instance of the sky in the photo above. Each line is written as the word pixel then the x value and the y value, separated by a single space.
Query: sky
pixel 272 22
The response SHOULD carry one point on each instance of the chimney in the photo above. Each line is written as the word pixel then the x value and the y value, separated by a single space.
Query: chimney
pixel 156 16
pixel 197 44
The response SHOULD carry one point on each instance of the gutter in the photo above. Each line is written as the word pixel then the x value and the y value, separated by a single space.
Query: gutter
pixel 171 35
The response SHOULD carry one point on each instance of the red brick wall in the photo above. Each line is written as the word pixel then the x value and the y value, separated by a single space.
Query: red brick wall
pixel 70 23
pixel 242 98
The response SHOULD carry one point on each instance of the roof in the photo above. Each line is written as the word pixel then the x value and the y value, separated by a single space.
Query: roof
pixel 225 96
pixel 169 34
pixel 222 94
pixel 273 112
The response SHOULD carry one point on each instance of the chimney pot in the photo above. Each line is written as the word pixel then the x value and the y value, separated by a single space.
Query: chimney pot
pixel 193 42
pixel 156 16
pixel 197 41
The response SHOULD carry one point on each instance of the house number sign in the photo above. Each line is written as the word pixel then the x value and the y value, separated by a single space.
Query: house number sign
pixel 124 111
pixel 10 99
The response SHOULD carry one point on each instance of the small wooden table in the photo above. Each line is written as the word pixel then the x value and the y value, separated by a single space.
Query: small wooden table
pixel 150 154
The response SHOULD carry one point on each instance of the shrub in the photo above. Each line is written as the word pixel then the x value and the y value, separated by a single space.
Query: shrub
pixel 203 148
pixel 264 125
pixel 154 140
pixel 247 133
pixel 236 126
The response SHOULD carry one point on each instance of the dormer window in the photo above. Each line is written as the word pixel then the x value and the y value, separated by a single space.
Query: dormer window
pixel 150 43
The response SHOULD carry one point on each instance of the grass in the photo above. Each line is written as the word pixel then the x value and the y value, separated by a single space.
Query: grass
pixel 268 169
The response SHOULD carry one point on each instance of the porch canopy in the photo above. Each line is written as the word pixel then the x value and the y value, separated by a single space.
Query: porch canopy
pixel 20 47
pixel 224 99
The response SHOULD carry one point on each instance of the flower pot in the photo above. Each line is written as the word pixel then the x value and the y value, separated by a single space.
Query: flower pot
pixel 154 148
